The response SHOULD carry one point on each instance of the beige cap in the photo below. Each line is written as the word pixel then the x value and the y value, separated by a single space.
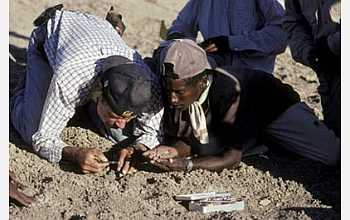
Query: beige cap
pixel 188 58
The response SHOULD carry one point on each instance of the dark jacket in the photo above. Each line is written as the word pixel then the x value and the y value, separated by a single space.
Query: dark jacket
pixel 241 102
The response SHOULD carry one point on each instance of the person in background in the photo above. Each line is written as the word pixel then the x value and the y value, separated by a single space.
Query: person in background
pixel 236 33
pixel 116 20
pixel 246 34
pixel 211 112
pixel 77 59
pixel 314 38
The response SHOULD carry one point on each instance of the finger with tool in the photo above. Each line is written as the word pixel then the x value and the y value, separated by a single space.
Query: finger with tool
pixel 87 158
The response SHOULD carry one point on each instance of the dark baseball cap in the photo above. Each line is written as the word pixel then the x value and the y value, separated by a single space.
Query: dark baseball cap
pixel 188 59
pixel 125 86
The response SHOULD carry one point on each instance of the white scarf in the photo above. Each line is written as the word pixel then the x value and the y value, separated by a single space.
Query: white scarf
pixel 197 116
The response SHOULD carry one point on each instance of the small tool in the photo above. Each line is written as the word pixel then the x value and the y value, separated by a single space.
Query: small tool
pixel 109 161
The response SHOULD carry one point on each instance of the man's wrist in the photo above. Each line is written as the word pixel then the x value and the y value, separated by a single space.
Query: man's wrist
pixel 70 153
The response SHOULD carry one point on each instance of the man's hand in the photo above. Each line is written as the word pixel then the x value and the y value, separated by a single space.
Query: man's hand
pixel 130 158
pixel 166 158
pixel 17 196
pixel 90 160
pixel 172 164
pixel 127 164
pixel 161 153
pixel 216 45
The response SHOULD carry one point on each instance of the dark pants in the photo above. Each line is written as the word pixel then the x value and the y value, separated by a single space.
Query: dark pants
pixel 329 90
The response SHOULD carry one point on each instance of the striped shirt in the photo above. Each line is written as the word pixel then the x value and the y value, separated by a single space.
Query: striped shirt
pixel 75 46
pixel 254 29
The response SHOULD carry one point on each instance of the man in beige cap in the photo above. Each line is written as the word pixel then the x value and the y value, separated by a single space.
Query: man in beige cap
pixel 211 113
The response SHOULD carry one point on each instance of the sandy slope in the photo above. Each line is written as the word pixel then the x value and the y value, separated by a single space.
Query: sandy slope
pixel 272 187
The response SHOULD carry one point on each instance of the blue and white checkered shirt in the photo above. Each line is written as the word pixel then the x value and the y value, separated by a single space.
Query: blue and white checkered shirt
pixel 254 29
pixel 76 45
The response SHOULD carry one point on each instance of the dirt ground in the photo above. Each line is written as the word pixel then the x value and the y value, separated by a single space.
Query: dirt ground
pixel 278 185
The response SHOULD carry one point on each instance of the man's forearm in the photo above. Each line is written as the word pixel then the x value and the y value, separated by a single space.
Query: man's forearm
pixel 229 159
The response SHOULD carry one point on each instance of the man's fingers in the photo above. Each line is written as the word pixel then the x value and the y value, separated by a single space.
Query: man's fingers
pixel 210 47
pixel 212 50
pixel 28 200
pixel 86 168
pixel 121 161
pixel 150 154
pixel 13 176
pixel 124 155
pixel 132 170
pixel 126 166
pixel 147 153
pixel 23 199
pixel 21 186
pixel 86 171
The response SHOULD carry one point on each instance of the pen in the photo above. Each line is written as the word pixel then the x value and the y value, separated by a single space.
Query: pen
pixel 109 161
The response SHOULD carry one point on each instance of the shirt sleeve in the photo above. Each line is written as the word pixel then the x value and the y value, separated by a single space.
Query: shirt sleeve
pixel 148 125
pixel 75 51
pixel 259 34
pixel 299 32
pixel 268 39
pixel 55 116
pixel 186 21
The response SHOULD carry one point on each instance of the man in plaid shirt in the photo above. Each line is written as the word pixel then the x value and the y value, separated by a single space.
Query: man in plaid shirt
pixel 68 55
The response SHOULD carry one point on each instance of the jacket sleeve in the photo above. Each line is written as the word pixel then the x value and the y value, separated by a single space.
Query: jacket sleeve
pixel 148 125
pixel 299 32
pixel 269 39
pixel 186 22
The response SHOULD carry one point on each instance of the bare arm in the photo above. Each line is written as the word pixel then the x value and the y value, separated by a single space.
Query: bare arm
pixel 173 162
pixel 229 159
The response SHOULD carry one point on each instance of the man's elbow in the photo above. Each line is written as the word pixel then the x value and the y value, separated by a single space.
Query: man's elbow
pixel 234 157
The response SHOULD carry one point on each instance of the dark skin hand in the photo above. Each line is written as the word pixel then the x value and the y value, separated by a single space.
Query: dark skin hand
pixel 210 48
pixel 216 44
pixel 166 158
pixel 173 164
pixel 90 160
pixel 169 158
pixel 161 152
pixel 17 196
